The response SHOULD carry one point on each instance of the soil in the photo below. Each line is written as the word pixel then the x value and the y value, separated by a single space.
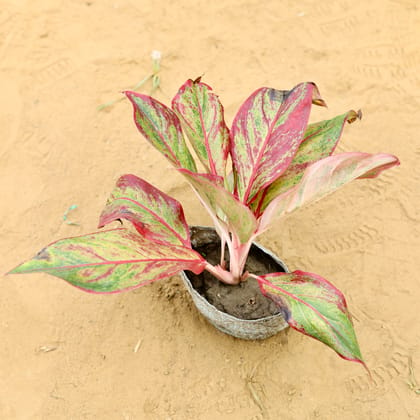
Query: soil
pixel 147 354
pixel 243 301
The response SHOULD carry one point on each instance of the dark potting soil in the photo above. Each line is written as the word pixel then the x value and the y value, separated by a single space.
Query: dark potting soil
pixel 244 300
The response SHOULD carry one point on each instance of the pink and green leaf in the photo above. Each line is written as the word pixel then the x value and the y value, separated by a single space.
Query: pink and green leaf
pixel 162 128
pixel 112 261
pixel 266 134
pixel 202 118
pixel 224 204
pixel 324 177
pixel 154 214
pixel 319 141
pixel 313 306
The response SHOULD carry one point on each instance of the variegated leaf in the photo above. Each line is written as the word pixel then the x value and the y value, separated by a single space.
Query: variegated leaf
pixel 324 177
pixel 154 214
pixel 228 209
pixel 266 134
pixel 313 306
pixel 319 141
pixel 162 128
pixel 202 118
pixel 112 261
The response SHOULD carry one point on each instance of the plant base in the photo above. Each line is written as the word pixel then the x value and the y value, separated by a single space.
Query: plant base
pixel 242 310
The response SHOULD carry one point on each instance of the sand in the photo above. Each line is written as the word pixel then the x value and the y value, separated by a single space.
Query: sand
pixel 147 354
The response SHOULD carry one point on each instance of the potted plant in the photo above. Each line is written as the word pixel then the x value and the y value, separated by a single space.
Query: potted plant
pixel 268 164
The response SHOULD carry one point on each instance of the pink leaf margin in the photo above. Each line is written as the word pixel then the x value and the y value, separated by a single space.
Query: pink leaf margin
pixel 219 127
pixel 310 188
pixel 266 159
pixel 263 280
pixel 196 267
pixel 134 182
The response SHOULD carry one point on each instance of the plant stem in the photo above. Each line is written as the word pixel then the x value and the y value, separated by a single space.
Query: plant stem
pixel 222 252
pixel 238 253
pixel 222 274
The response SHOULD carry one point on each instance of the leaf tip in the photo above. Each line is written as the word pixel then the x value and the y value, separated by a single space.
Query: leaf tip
pixel 198 79
pixel 130 94
pixel 319 102
pixel 13 271
pixel 394 161
pixel 20 269
pixel 367 369
pixel 40 262
pixel 353 116
pixel 360 361
pixel 316 96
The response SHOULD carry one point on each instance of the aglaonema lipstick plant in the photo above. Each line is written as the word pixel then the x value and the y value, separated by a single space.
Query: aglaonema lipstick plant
pixel 270 163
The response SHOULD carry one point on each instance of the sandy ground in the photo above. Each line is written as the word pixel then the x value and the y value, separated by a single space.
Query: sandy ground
pixel 147 354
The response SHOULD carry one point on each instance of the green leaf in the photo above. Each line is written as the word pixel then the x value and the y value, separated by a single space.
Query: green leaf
pixel 266 134
pixel 320 141
pixel 324 177
pixel 112 261
pixel 162 128
pixel 313 306
pixel 202 118
pixel 224 205
pixel 154 214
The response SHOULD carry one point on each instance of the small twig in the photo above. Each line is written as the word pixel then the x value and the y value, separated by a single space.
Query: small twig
pixel 156 57
pixel 135 87
pixel 46 349
pixel 250 383
pixel 141 83
pixel 255 396
pixel 54 395
pixel 412 381
pixel 137 346
pixel 65 215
